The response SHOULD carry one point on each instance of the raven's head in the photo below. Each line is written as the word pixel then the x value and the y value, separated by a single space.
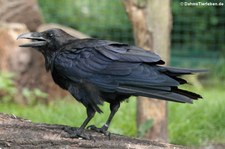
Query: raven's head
pixel 51 39
pixel 47 42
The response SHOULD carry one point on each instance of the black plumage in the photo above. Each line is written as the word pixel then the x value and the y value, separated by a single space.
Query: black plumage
pixel 95 70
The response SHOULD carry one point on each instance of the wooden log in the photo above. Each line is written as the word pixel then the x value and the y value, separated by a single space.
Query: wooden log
pixel 16 132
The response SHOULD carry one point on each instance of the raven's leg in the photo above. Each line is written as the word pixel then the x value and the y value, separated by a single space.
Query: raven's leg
pixel 114 108
pixel 78 133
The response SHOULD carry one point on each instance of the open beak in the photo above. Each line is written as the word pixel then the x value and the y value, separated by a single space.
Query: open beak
pixel 36 39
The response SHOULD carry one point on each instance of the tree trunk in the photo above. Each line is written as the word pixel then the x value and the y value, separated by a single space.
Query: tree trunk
pixel 151 20
pixel 20 133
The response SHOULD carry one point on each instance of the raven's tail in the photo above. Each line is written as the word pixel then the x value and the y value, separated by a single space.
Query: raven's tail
pixel 175 73
pixel 175 94
pixel 170 93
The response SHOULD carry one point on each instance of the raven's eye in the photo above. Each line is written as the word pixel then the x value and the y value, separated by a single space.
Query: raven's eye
pixel 51 35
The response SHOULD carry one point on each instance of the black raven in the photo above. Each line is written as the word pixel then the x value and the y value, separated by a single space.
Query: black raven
pixel 95 70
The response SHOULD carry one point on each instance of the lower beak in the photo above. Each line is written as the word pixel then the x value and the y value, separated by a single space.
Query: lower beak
pixel 36 39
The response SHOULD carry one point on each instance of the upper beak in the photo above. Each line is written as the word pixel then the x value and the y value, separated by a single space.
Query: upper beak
pixel 37 39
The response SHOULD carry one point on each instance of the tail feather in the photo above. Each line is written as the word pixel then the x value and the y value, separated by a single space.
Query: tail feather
pixel 176 72
pixel 173 95
pixel 186 93
pixel 180 80
pixel 171 71
pixel 165 91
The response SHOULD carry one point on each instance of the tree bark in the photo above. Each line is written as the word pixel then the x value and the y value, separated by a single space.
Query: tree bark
pixel 151 20
pixel 20 133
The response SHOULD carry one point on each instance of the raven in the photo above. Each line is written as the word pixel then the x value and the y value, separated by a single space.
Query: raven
pixel 94 71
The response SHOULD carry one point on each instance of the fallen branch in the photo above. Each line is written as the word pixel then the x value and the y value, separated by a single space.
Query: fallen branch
pixel 20 133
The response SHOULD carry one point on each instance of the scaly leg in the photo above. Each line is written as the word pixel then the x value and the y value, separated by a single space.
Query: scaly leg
pixel 114 108
pixel 78 133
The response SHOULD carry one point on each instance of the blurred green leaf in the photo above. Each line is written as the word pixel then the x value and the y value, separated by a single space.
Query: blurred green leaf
pixel 26 92
pixel 7 86
pixel 39 93
pixel 34 96
pixel 144 127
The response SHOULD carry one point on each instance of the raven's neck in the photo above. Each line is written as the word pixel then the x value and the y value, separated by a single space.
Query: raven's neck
pixel 49 59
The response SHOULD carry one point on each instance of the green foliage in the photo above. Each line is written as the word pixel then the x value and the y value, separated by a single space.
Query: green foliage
pixel 144 127
pixel 8 90
pixel 219 70
pixel 200 123
pixel 33 96
pixel 7 87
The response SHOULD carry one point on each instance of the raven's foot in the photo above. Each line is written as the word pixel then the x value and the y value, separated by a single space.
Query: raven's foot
pixel 76 133
pixel 102 130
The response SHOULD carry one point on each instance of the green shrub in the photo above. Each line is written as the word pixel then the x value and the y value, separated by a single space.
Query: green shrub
pixel 7 86
pixel 9 91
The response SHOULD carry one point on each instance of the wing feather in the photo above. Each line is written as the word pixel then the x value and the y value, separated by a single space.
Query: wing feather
pixel 108 74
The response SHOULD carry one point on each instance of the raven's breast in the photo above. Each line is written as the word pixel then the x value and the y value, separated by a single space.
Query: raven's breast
pixel 60 80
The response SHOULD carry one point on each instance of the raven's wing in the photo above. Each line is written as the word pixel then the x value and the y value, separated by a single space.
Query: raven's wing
pixel 122 69
pixel 118 51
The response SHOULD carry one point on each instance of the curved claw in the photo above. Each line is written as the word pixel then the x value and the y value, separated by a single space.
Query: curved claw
pixel 77 133
pixel 92 127
pixel 102 130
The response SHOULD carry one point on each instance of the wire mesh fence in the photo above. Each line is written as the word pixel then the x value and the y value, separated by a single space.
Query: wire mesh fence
pixel 197 37
pixel 100 19
pixel 198 34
